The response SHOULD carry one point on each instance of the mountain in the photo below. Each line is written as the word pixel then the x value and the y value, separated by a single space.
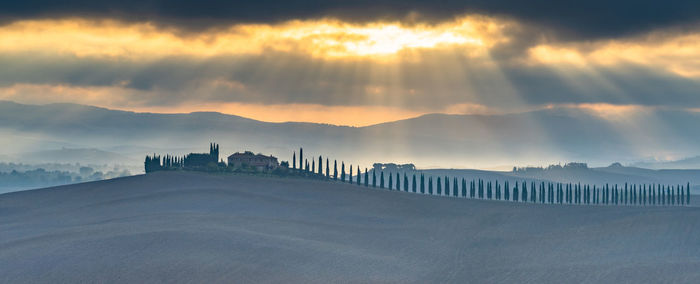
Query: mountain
pixel 687 163
pixel 430 141
pixel 195 227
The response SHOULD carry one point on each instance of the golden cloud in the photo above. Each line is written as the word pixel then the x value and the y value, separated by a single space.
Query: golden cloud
pixel 325 38
pixel 675 53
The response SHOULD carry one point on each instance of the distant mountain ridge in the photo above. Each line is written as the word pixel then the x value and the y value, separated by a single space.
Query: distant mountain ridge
pixel 429 141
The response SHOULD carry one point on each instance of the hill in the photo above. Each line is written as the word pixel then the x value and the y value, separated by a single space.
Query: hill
pixel 460 141
pixel 190 227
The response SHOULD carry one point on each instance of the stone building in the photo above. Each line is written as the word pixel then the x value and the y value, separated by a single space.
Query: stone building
pixel 247 158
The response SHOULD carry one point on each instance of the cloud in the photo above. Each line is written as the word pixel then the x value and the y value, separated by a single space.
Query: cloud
pixel 578 19
pixel 472 64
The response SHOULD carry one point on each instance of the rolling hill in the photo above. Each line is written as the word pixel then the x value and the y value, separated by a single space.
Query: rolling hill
pixel 192 227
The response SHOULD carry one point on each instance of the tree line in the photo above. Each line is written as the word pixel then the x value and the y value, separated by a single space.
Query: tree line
pixel 532 192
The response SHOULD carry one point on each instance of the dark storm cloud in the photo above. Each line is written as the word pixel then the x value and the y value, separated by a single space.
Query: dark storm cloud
pixel 589 19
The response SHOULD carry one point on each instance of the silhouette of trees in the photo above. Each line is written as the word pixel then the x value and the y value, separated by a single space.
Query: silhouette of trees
pixel 342 171
pixel 358 175
pixel 413 184
pixel 381 180
pixel 405 182
pixel 320 166
pixel 374 179
pixel 422 183
pixel 391 181
pixel 294 160
pixel 398 182
pixel 464 187
pixel 335 169
pixel 301 157
pixel 439 186
pixel 430 185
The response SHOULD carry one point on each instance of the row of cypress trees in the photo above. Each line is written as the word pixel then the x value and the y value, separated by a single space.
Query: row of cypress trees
pixel 546 193
pixel 533 192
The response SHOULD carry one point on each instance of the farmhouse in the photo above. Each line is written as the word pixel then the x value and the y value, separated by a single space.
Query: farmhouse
pixel 247 158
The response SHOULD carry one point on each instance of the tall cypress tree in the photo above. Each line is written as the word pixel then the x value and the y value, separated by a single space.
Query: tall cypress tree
pixel 294 160
pixel 350 174
pixel 301 157
pixel 516 194
pixel 405 182
pixel 328 169
pixel 687 194
pixel 464 187
pixel 391 181
pixel 524 199
pixel 455 187
pixel 342 171
pixel 430 185
pixel 359 173
pixel 489 189
pixel 381 180
pixel 447 186
pixel 313 165
pixel 413 185
pixel 320 166
pixel 398 182
pixel 439 187
pixel 374 179
pixel 422 183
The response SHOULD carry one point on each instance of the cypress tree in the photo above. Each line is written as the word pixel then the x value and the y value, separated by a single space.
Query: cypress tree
pixel 447 186
pixel 405 182
pixel 381 180
pixel 398 182
pixel 374 179
pixel 335 169
pixel 328 169
pixel 350 175
pixel 294 160
pixel 358 175
pixel 515 192
pixel 301 157
pixel 488 190
pixel 439 186
pixel 422 183
pixel 320 166
pixel 481 189
pixel 672 198
pixel 455 187
pixel 313 165
pixel 532 193
pixel 413 185
pixel 430 185
pixel 306 165
pixel 342 171
pixel 524 199
pixel 391 181
pixel 687 194
pixel 464 187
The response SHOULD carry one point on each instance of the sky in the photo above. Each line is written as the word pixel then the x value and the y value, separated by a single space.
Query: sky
pixel 353 62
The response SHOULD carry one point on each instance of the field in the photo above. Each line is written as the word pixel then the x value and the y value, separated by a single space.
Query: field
pixel 193 227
